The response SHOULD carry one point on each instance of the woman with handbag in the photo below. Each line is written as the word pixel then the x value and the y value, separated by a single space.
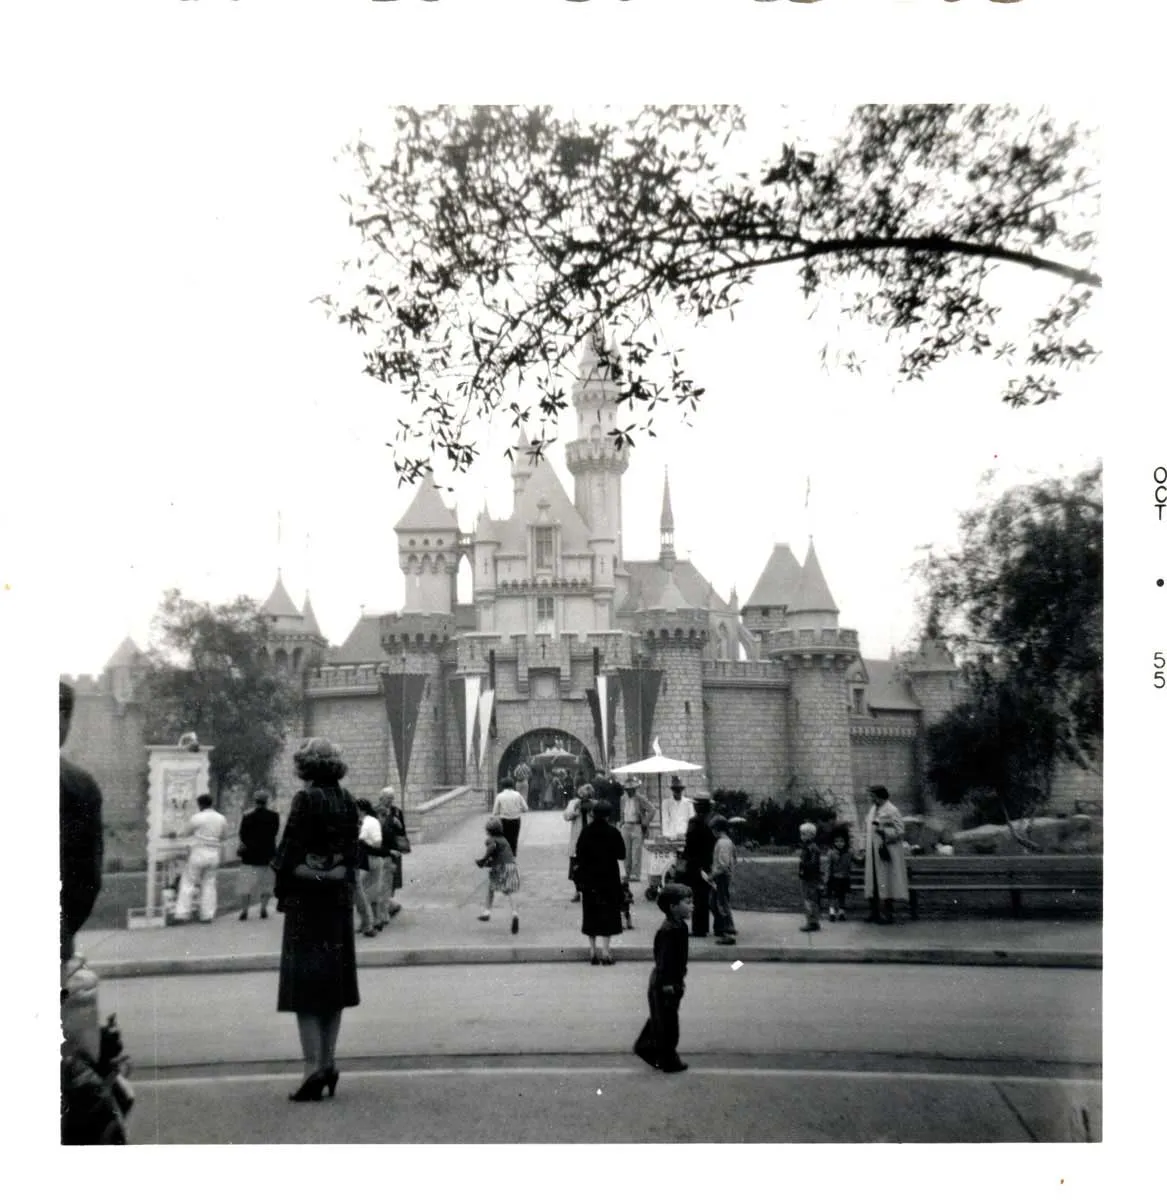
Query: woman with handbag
pixel 599 853
pixel 577 812
pixel 885 868
pixel 315 869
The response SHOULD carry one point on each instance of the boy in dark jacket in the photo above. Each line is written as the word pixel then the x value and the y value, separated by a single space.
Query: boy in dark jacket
pixel 839 874
pixel 657 1043
pixel 810 875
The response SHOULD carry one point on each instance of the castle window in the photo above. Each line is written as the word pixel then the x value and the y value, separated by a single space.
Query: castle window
pixel 765 612
pixel 544 549
pixel 858 700
pixel 545 615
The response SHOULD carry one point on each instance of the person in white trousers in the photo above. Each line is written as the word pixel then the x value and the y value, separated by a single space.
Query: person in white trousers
pixel 206 831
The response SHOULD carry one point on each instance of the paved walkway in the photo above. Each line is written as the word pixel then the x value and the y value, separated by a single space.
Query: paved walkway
pixel 444 890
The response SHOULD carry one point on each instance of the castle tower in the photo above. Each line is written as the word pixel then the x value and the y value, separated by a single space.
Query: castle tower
pixel 485 568
pixel 593 458
pixel 674 631
pixel 936 684
pixel 817 654
pixel 427 548
pixel 765 610
pixel 294 640
pixel 418 646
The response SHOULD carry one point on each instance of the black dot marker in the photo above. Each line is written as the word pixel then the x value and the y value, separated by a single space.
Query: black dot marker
pixel 1158 583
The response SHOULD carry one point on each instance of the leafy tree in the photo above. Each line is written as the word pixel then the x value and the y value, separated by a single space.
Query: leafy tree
pixel 209 673
pixel 494 241
pixel 1020 602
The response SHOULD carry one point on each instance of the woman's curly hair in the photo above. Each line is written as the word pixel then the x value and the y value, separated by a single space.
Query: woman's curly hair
pixel 318 761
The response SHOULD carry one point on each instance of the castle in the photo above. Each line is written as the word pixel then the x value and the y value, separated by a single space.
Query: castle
pixel 773 697
pixel 569 643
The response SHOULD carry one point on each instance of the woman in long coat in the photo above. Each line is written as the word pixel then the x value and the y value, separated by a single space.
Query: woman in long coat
pixel 598 854
pixel 885 868
pixel 315 872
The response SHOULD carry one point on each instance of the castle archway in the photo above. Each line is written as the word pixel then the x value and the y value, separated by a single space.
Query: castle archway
pixel 525 749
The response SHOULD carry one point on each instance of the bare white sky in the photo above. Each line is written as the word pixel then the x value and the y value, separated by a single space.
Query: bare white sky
pixel 209 394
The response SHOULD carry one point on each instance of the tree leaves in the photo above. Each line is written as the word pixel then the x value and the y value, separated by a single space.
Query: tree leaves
pixel 494 240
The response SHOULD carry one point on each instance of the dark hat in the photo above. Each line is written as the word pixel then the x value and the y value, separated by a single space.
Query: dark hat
pixel 670 894
pixel 879 792
pixel 719 822
pixel 675 783
pixel 602 809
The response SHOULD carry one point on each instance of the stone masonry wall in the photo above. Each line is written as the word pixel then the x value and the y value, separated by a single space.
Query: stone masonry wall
pixel 820 735
pixel 746 729
pixel 1074 790
pixel 679 721
pixel 108 740
pixel 890 761
pixel 360 727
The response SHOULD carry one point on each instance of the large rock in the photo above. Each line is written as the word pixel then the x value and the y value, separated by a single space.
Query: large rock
pixel 1079 834
pixel 925 832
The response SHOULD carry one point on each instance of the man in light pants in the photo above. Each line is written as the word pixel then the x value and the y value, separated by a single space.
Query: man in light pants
pixel 206 831
pixel 635 819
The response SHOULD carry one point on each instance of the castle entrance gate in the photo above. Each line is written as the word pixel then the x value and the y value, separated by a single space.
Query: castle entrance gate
pixel 535 748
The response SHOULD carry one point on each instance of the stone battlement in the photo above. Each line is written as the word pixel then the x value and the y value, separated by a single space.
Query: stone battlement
pixel 363 678
pixel 725 673
pixel 399 629
pixel 827 640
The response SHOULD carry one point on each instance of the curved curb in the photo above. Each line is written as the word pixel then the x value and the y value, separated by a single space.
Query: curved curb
pixel 502 955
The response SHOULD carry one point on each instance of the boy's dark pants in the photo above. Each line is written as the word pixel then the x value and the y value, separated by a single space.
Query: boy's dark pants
pixel 510 831
pixel 658 1039
pixel 722 913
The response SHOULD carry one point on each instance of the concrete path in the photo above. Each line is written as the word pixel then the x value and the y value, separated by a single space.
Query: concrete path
pixel 443 893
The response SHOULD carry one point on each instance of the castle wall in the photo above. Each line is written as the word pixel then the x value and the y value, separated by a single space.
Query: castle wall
pixel 819 733
pixel 108 740
pixel 1074 790
pixel 885 753
pixel 359 726
pixel 679 720
pixel 746 733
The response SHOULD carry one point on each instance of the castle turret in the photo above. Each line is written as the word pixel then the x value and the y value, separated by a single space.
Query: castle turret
pixel 485 568
pixel 936 684
pixel 294 640
pixel 594 460
pixel 765 610
pixel 427 547
pixel 817 654
pixel 674 629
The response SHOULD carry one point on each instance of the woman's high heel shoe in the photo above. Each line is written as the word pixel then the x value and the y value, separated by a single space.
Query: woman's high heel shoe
pixel 311 1089
pixel 331 1079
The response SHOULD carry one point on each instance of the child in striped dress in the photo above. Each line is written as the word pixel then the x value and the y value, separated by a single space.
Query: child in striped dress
pixel 499 859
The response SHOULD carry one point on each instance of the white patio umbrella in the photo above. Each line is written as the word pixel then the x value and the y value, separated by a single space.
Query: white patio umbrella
pixel 659 764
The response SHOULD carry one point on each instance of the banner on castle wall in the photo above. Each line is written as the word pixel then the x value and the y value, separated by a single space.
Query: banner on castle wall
pixel 602 701
pixel 473 685
pixel 403 695
pixel 641 686
pixel 485 724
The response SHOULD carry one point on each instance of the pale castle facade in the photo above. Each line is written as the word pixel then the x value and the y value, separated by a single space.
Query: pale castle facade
pixel 773 697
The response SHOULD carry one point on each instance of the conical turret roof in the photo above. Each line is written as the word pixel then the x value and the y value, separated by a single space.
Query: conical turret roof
pixel 428 511
pixel 310 623
pixel 279 603
pixel 126 655
pixel 671 599
pixel 812 593
pixel 778 582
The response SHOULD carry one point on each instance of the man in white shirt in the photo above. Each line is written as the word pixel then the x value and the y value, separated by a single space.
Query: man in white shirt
pixel 509 806
pixel 676 811
pixel 206 832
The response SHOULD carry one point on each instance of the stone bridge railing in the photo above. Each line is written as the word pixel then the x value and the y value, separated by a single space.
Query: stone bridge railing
pixel 428 821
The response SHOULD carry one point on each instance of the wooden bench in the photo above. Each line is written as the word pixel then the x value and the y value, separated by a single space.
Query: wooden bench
pixel 1012 873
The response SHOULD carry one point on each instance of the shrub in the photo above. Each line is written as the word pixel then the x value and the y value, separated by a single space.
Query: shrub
pixel 773 824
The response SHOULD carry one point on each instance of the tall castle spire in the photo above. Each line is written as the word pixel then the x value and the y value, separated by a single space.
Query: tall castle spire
pixel 668 554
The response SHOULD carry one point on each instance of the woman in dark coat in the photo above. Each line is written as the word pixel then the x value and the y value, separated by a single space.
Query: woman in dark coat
pixel 315 866
pixel 598 854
